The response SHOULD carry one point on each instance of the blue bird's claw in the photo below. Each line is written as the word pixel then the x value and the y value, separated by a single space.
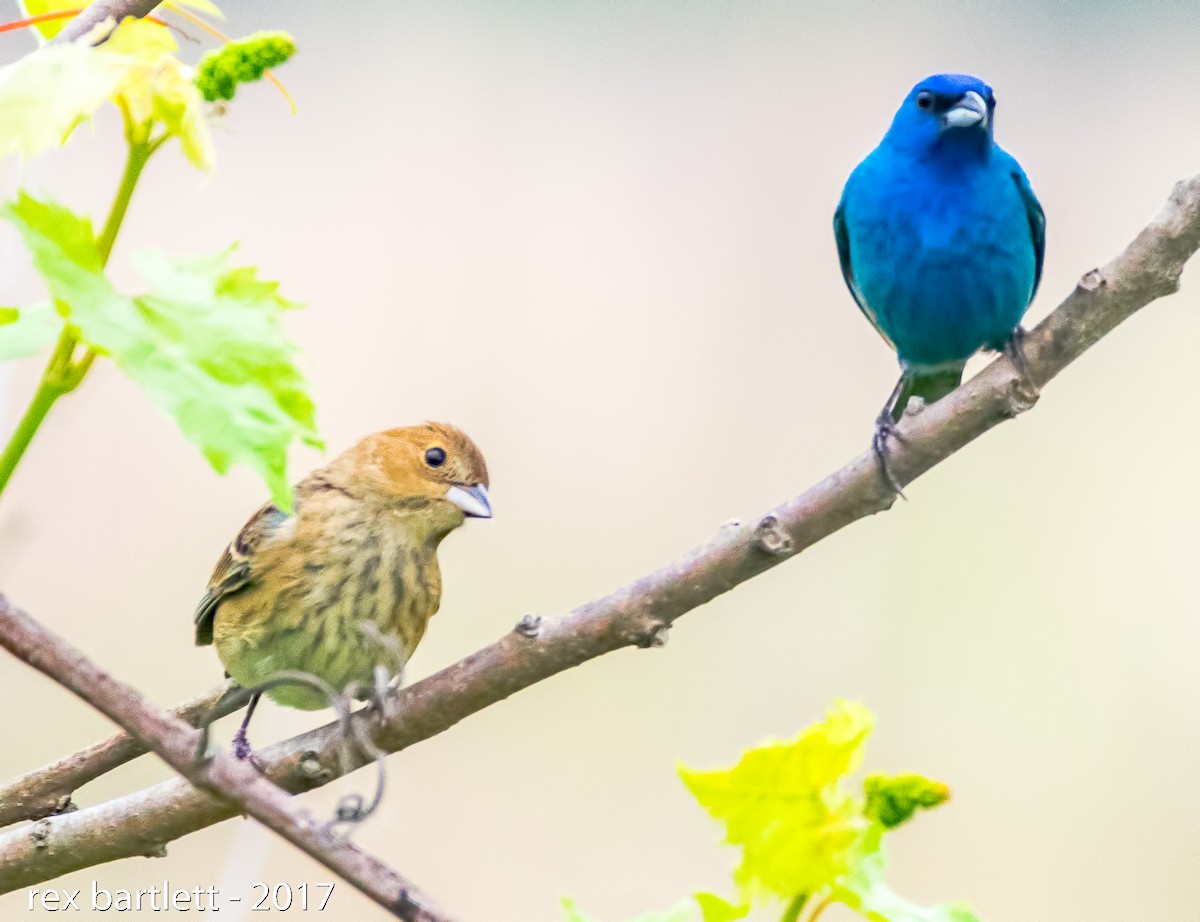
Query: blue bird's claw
pixel 1014 348
pixel 1026 388
pixel 886 429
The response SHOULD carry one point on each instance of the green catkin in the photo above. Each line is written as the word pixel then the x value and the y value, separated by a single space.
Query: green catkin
pixel 241 61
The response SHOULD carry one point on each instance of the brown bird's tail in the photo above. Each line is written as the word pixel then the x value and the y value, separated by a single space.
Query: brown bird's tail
pixel 928 385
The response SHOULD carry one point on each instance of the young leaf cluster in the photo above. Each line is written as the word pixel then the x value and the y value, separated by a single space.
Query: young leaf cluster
pixel 806 837
pixel 205 339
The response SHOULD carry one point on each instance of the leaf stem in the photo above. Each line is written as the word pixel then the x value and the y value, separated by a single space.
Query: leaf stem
pixel 140 150
pixel 50 388
pixel 794 908
pixel 63 373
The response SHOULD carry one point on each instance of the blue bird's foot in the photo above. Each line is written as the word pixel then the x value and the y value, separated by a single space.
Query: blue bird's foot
pixel 886 429
pixel 1014 348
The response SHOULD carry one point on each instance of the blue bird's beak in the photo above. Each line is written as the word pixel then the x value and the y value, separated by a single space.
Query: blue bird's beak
pixel 969 112
pixel 473 501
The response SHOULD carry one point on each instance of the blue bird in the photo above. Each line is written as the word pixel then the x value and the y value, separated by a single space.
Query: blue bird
pixel 941 241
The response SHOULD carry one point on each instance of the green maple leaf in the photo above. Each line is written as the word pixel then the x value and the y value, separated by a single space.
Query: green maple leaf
pixel 205 342
pixel 784 805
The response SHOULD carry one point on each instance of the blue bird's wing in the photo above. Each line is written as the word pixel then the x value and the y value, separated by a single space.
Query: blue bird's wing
pixel 1037 224
pixel 842 236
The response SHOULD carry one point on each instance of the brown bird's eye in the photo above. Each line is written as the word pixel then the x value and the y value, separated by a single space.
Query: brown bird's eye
pixel 435 457
pixel 924 100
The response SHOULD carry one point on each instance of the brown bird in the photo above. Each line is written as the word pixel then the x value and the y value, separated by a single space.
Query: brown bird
pixel 348 580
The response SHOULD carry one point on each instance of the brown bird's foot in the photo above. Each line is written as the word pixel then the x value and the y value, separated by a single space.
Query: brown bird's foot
pixel 885 429
pixel 201 757
pixel 244 753
pixel 242 749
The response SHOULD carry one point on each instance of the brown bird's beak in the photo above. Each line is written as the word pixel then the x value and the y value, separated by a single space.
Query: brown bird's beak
pixel 471 500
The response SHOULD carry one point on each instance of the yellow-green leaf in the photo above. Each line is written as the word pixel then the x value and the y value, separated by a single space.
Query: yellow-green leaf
pixel 864 891
pixel 717 909
pixel 157 87
pixel 27 331
pixel 47 30
pixel 784 805
pixel 44 95
pixel 205 342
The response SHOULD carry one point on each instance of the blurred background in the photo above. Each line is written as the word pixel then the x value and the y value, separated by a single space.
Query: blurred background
pixel 597 237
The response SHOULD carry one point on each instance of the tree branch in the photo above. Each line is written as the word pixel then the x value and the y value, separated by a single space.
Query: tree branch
pixel 100 10
pixel 47 791
pixel 237 784
pixel 641 613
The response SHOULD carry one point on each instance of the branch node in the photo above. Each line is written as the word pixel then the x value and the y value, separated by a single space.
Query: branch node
pixel 1022 395
pixel 158 850
pixel 771 538
pixel 529 626
pixel 406 908
pixel 1093 281
pixel 39 832
pixel 64 805
pixel 310 772
pixel 655 635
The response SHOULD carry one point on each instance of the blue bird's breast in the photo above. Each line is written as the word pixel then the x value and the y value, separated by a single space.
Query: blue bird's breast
pixel 942 254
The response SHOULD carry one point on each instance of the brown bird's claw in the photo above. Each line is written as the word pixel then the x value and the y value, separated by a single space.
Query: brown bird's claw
pixel 885 429
pixel 202 756
pixel 381 700
pixel 243 753
pixel 242 749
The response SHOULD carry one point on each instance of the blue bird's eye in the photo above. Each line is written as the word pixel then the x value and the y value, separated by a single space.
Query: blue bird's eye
pixel 925 100
pixel 435 457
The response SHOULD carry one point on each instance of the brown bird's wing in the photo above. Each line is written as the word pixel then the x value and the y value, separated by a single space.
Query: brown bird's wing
pixel 234 570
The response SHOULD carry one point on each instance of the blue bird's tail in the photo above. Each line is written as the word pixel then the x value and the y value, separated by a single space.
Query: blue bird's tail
pixel 929 385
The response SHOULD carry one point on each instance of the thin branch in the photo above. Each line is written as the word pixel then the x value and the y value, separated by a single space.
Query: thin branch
pixel 47 791
pixel 101 10
pixel 237 783
pixel 640 614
